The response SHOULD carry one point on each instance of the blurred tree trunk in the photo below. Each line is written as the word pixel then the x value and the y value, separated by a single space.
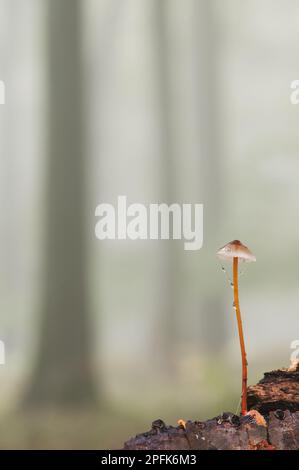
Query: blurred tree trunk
pixel 63 369
pixel 213 334
pixel 166 325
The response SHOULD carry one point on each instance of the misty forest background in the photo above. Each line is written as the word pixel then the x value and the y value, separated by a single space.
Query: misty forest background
pixel 158 100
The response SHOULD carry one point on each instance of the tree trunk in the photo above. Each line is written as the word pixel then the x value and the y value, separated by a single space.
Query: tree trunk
pixel 63 370
pixel 165 331
pixel 211 177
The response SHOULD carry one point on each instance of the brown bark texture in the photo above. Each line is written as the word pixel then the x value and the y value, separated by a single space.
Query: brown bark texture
pixel 276 397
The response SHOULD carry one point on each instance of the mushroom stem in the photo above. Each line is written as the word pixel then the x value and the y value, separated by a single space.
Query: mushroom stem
pixel 241 336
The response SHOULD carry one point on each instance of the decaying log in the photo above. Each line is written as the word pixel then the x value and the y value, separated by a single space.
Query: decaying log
pixel 278 389
pixel 276 397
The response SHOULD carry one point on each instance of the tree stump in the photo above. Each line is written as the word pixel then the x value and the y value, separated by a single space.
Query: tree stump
pixel 276 397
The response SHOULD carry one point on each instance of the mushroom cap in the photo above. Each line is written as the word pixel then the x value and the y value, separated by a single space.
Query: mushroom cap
pixel 235 249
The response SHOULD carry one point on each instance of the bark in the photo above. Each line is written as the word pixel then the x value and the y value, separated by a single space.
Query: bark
pixel 278 389
pixel 276 397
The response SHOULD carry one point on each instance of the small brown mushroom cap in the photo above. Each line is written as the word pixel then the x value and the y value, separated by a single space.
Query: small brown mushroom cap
pixel 235 249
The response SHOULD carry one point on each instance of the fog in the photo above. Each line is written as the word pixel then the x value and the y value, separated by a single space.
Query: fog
pixel 160 101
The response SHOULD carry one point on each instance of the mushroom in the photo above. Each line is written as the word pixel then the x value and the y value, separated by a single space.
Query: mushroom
pixel 236 251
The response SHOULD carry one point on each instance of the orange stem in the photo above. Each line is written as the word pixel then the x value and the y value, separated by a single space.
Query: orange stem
pixel 241 336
